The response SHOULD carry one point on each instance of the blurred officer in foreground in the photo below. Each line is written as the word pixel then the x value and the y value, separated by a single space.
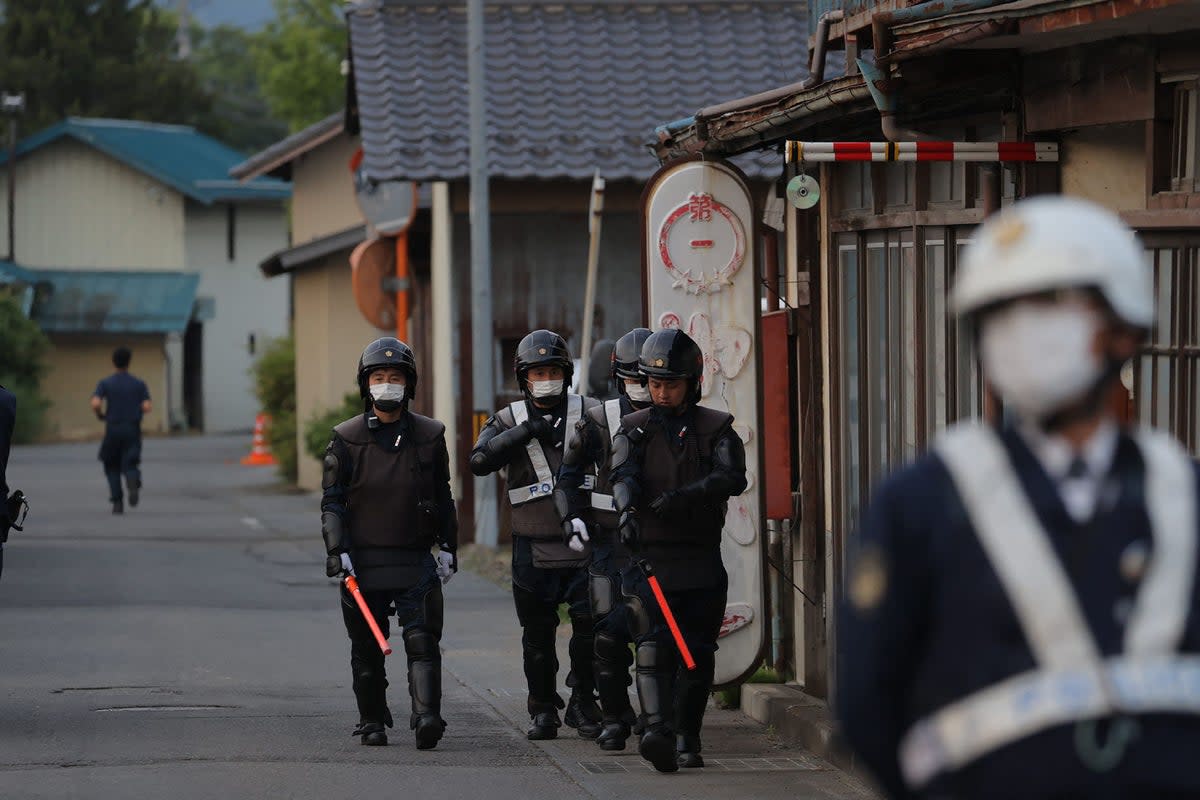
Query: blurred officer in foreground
pixel 8 419
pixel 587 512
pixel 386 503
pixel 674 467
pixel 528 438
pixel 1022 608
pixel 121 400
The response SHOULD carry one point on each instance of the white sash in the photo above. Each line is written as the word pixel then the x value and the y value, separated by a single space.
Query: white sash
pixel 544 486
pixel 1071 681
pixel 612 414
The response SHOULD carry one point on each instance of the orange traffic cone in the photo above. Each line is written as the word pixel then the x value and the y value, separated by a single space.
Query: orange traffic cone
pixel 260 452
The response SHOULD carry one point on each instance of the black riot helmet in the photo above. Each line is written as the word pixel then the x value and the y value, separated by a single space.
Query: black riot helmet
pixel 626 353
pixel 671 354
pixel 387 352
pixel 542 348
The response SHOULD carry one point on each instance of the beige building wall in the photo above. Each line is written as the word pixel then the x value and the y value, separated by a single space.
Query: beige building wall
pixel 79 208
pixel 330 335
pixel 323 191
pixel 1107 165
pixel 76 365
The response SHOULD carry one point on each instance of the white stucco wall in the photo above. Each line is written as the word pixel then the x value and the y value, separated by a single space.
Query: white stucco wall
pixel 79 208
pixel 246 303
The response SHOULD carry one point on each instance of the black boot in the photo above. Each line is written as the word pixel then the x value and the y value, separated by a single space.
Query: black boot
pixel 583 714
pixel 612 682
pixel 691 700
pixel 545 725
pixel 655 683
pixel 134 485
pixel 118 506
pixel 424 687
pixel 372 733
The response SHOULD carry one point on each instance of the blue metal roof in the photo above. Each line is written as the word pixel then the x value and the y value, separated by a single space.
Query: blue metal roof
pixel 112 301
pixel 179 156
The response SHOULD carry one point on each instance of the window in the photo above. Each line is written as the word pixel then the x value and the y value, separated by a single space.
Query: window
pixel 1167 373
pixel 1185 133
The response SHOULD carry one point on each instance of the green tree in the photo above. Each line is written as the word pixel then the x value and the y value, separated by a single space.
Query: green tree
pixel 22 364
pixel 299 56
pixel 223 57
pixel 99 58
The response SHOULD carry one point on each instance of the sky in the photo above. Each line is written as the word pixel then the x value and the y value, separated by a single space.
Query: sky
pixel 249 14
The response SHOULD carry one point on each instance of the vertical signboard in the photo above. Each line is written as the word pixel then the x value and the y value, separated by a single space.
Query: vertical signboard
pixel 699 275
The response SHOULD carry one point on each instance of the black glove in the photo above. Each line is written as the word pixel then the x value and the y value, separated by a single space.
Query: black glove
pixel 539 428
pixel 667 503
pixel 333 566
pixel 631 531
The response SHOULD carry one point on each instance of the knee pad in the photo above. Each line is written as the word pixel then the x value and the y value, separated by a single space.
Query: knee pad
pixel 582 625
pixel 434 608
pixel 600 593
pixel 639 617
pixel 421 645
pixel 611 648
pixel 532 612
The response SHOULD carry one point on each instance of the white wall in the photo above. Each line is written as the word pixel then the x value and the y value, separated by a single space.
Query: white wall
pixel 79 208
pixel 246 303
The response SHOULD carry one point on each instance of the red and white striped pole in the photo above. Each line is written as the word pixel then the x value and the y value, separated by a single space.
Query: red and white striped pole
pixel 797 152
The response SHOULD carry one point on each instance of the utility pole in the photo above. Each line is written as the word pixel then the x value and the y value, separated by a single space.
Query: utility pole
pixel 12 105
pixel 483 386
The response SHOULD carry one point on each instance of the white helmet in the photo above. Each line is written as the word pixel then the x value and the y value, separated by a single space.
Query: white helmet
pixel 1054 242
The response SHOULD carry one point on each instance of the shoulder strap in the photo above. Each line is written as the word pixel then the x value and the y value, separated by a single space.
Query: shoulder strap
pixel 1161 609
pixel 1017 546
pixel 612 415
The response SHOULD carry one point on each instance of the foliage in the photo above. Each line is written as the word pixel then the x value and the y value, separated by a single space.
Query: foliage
pixel 275 387
pixel 22 364
pixel 731 696
pixel 299 56
pixel 97 58
pixel 316 430
pixel 223 58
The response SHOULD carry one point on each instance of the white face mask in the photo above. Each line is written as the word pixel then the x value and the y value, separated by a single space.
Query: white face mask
pixel 637 393
pixel 386 396
pixel 1039 356
pixel 542 389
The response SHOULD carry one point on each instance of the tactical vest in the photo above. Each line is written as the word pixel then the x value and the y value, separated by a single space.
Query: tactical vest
pixel 666 467
pixel 386 487
pixel 531 478
pixel 1072 682
pixel 608 417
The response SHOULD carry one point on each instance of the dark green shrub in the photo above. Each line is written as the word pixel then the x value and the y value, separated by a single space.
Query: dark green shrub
pixel 317 429
pixel 275 387
pixel 22 364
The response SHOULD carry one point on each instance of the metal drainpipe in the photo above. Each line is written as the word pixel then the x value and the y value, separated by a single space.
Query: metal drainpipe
pixel 817 74
pixel 885 101
pixel 775 554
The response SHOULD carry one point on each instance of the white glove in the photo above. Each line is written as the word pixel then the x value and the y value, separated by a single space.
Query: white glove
pixel 346 565
pixel 580 538
pixel 447 565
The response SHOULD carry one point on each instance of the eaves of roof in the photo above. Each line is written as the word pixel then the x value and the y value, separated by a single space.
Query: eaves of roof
pixel 762 119
pixel 276 160
pixel 300 256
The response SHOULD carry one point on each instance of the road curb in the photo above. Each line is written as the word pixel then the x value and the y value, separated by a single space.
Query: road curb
pixel 803 720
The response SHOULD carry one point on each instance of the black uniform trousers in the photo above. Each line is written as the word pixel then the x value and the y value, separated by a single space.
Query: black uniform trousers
pixel 537 594
pixel 418 610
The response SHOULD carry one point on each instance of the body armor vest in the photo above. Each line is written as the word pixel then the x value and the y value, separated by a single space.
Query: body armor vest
pixel 390 490
pixel 530 493
pixel 665 467
pixel 608 417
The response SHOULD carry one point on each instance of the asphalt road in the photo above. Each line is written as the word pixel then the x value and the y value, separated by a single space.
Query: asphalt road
pixel 192 648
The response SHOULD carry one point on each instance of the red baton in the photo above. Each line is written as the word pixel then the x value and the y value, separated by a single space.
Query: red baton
pixel 352 587
pixel 688 661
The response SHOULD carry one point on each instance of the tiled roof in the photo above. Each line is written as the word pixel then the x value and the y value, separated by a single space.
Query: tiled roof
pixel 113 301
pixel 276 160
pixel 571 86
pixel 188 161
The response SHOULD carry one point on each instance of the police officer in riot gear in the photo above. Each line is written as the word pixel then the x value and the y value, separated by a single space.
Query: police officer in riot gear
pixel 1021 617
pixel 674 467
pixel 590 514
pixel 528 439
pixel 386 503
